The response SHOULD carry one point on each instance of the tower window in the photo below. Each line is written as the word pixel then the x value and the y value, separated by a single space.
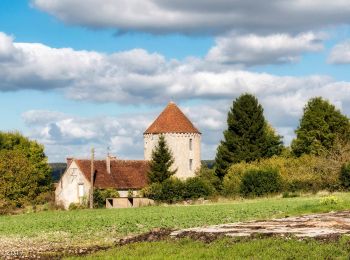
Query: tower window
pixel 190 166
pixel 190 144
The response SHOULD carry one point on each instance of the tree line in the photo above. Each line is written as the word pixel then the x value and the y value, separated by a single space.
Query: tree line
pixel 251 158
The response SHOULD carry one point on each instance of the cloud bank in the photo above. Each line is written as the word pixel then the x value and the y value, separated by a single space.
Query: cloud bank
pixel 199 16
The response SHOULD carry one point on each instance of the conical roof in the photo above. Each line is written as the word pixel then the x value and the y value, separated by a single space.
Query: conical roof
pixel 171 120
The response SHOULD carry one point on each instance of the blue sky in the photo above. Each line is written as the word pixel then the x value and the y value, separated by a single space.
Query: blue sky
pixel 76 74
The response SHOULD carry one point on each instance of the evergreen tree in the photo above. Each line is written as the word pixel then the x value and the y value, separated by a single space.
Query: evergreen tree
pixel 161 162
pixel 248 136
pixel 320 125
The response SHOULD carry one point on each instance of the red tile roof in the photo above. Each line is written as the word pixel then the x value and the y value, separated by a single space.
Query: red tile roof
pixel 171 120
pixel 124 174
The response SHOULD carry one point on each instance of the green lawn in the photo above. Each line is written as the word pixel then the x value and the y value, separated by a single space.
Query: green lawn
pixel 265 248
pixel 103 226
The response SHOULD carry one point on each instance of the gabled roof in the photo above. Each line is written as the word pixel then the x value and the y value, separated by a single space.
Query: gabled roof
pixel 128 174
pixel 171 120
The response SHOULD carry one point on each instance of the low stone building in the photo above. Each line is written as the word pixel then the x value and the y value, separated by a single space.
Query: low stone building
pixel 182 137
pixel 122 175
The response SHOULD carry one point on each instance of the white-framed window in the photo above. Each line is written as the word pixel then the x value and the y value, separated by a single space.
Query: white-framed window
pixel 190 164
pixel 81 191
pixel 191 144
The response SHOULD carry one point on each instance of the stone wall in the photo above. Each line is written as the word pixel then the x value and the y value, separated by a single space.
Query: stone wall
pixel 180 147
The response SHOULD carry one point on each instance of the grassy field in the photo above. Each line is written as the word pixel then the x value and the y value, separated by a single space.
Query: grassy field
pixel 265 248
pixel 104 226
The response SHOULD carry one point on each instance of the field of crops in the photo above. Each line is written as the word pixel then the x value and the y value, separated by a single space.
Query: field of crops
pixel 105 226
pixel 262 248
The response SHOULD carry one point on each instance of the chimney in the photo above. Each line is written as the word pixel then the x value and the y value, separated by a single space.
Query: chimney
pixel 108 164
pixel 69 160
pixel 109 158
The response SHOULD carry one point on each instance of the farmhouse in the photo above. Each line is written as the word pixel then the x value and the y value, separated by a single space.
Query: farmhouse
pixel 128 177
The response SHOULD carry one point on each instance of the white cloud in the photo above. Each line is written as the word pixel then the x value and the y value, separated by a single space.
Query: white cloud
pixel 254 49
pixel 199 16
pixel 340 54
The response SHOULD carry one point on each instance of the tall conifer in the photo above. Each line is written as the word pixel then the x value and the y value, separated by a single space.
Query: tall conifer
pixel 248 136
pixel 162 160
pixel 320 125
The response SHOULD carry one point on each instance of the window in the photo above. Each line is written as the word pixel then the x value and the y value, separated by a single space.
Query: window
pixel 190 144
pixel 191 162
pixel 81 190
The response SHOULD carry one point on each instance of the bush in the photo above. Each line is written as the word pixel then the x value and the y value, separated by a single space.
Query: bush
pixel 170 191
pixel 196 187
pixel 208 176
pixel 344 176
pixel 100 196
pixel 330 200
pixel 306 173
pixel 259 182
pixel 6 207
pixel 174 190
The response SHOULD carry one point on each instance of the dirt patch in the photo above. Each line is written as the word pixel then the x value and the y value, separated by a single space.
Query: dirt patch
pixel 319 226
pixel 151 236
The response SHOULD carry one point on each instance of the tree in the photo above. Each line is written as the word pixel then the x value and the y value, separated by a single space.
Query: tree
pixel 320 126
pixel 24 170
pixel 162 160
pixel 248 136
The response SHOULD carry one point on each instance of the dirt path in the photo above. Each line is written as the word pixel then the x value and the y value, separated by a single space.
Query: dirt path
pixel 320 226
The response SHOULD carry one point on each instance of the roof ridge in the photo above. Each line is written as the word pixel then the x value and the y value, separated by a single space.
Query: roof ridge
pixel 171 120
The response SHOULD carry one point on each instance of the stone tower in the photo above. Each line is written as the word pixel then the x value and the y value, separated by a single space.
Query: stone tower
pixel 182 137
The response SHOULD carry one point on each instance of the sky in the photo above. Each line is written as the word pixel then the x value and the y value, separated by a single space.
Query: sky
pixel 76 74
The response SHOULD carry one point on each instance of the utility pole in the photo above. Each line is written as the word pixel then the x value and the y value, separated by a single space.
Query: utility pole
pixel 92 178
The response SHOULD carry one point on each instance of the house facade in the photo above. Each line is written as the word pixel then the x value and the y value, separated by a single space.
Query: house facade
pixel 122 175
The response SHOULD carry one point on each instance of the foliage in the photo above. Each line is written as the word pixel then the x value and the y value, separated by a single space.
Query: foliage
pixel 344 176
pixel 174 190
pixel 170 191
pixel 100 196
pixel 230 248
pixel 196 187
pixel 248 136
pixel 75 206
pixel 161 162
pixel 24 171
pixel 329 200
pixel 305 173
pixel 319 127
pixel 208 176
pixel 260 182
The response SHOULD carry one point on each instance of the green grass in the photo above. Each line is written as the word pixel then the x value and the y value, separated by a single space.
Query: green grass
pixel 103 226
pixel 264 248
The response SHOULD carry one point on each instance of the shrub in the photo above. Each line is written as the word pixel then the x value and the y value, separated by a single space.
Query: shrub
pixel 195 188
pixel 208 176
pixel 344 176
pixel 286 194
pixel 306 173
pixel 6 207
pixel 260 182
pixel 100 196
pixel 173 190
pixel 330 200
pixel 170 191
